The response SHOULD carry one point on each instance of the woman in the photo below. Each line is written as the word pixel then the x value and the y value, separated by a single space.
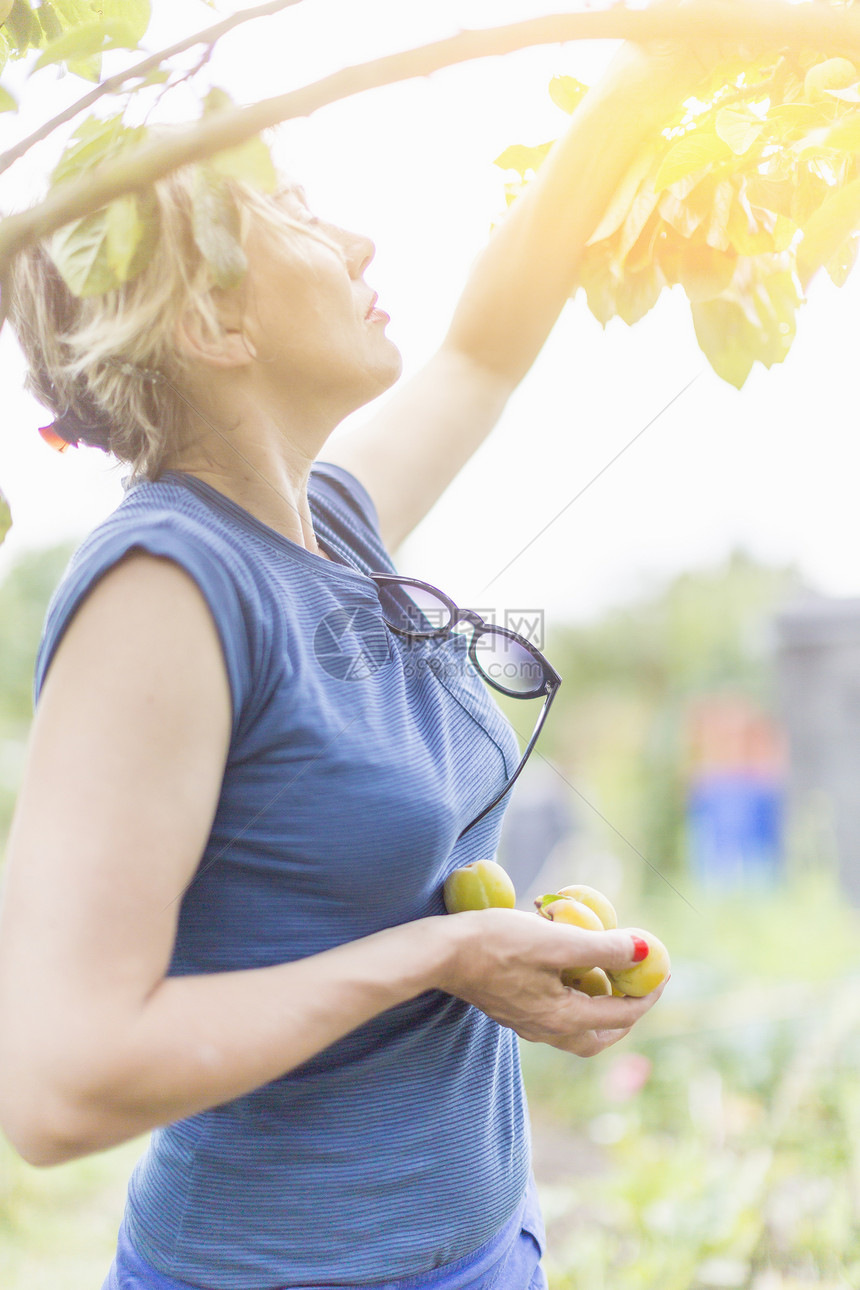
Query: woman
pixel 223 917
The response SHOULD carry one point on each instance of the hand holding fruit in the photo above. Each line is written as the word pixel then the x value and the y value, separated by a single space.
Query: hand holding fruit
pixel 512 965
pixel 585 907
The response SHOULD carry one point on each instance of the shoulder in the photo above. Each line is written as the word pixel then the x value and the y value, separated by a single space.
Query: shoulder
pixel 157 543
pixel 345 517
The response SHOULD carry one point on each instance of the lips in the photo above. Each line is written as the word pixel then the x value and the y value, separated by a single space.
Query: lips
pixel 371 308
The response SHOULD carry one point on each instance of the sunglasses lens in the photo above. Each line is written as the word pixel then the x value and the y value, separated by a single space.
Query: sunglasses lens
pixel 414 609
pixel 509 665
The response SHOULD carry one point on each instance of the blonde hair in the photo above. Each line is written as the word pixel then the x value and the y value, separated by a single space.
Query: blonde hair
pixel 111 362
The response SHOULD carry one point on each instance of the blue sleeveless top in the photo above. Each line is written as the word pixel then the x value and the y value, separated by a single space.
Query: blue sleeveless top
pixel 356 758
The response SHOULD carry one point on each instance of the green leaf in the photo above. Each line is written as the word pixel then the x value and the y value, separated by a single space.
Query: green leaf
pixel 123 232
pixel 746 233
pixel 90 69
pixel 683 218
pixel 79 250
pixel 826 230
pixel 250 162
pixel 696 151
pixel 135 13
pixel 567 92
pixel 716 229
pixel 739 128
pixel 85 41
pixel 49 20
pixel 102 251
pixel 216 226
pixel 522 159
pixel 95 141
pixel 596 279
pixel 616 211
pixel 640 212
pixel 5 517
pixel 757 324
pixel 23 27
pixel 637 293
pixel 776 302
pixel 726 337
pixel 7 102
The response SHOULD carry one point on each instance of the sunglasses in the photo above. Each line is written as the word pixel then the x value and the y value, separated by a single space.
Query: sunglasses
pixel 506 661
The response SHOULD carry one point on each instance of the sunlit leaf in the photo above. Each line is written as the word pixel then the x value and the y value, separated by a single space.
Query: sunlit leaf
pixel 637 294
pixel 135 13
pixel 102 251
pixel 49 20
pixel 840 265
pixel 595 278
pixel 250 162
pixel 640 212
pixel 616 211
pixel 5 517
pixel 776 301
pixel 90 69
pixel 216 228
pixel 80 252
pixel 726 337
pixel 85 41
pixel 844 136
pixel 716 229
pixel 705 273
pixel 521 158
pixel 95 141
pixel 123 231
pixel 23 27
pixel 694 152
pixel 810 191
pixel 683 218
pixel 745 234
pixel 567 92
pixel 826 230
pixel 7 102
pixel 739 128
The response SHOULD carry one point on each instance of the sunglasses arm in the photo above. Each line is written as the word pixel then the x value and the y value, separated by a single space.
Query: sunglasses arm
pixel 551 693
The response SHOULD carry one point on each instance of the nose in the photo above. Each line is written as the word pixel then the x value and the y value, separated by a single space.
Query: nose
pixel 359 253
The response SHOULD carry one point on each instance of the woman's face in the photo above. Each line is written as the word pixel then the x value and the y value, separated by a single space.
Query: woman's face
pixel 310 316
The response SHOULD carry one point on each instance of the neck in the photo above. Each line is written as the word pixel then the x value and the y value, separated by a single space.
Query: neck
pixel 260 464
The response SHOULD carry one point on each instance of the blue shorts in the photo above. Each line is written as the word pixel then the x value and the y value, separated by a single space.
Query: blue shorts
pixel 509 1261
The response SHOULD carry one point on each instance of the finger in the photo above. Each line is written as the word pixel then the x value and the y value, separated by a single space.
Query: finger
pixel 614 951
pixel 592 1042
pixel 606 1012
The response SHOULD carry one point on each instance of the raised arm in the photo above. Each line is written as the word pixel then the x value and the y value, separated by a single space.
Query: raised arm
pixel 410 450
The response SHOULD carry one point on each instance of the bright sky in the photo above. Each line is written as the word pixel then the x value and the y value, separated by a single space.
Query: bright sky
pixel 773 468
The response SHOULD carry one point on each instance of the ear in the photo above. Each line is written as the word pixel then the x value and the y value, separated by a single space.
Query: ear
pixel 227 348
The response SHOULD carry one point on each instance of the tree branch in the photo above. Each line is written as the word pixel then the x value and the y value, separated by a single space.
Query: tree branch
pixel 770 23
pixel 209 36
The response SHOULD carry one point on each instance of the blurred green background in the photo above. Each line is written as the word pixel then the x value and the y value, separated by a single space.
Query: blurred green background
pixel 717 1146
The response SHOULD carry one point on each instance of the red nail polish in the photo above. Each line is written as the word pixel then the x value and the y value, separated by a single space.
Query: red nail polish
pixel 640 949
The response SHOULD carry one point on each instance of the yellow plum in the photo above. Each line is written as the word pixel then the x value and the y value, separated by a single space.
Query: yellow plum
pixel 643 977
pixel 483 884
pixel 595 900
